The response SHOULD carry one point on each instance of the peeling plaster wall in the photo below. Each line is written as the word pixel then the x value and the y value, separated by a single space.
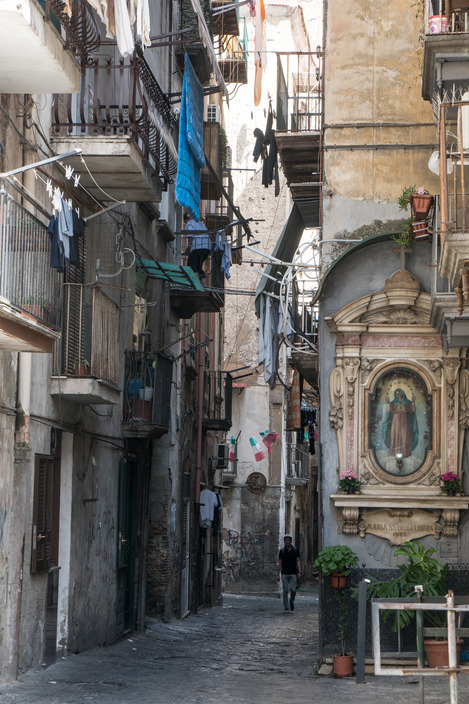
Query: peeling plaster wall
pixel 372 97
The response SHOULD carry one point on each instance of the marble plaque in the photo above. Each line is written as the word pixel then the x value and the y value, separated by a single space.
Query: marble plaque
pixel 399 525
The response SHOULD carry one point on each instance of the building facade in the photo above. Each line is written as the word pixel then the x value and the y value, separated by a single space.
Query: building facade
pixel 114 398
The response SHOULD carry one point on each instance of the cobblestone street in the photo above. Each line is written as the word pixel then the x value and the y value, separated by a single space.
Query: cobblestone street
pixel 247 651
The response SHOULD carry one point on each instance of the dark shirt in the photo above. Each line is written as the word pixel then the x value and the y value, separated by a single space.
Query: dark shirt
pixel 289 558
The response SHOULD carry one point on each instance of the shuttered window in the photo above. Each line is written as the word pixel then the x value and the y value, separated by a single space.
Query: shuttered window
pixel 46 508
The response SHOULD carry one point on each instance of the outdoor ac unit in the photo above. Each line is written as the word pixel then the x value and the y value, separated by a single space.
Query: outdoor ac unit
pixel 221 460
pixel 213 113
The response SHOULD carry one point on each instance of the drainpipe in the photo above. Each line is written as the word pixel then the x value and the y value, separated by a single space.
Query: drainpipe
pixel 24 397
pixel 200 406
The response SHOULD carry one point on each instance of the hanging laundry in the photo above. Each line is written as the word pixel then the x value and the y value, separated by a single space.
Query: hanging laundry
pixel 78 231
pixel 140 15
pixel 56 247
pixel 200 246
pixel 259 148
pixel 191 141
pixel 259 47
pixel 124 36
pixel 208 502
pixel 65 219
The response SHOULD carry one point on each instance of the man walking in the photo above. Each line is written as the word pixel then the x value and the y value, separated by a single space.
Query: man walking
pixel 289 566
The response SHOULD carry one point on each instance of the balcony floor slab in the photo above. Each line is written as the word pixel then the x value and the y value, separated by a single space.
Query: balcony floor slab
pixel 85 391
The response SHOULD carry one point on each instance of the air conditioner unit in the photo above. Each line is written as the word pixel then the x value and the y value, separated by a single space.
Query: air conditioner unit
pixel 213 113
pixel 221 460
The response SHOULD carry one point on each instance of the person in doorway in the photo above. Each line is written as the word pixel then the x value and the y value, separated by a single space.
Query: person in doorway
pixel 200 246
pixel 289 568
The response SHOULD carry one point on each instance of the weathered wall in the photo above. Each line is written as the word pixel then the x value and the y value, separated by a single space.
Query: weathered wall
pixel 373 111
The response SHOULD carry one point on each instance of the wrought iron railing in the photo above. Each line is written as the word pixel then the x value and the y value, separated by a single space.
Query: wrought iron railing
pixel 121 97
pixel 217 400
pixel 147 388
pixel 90 341
pixel 26 277
pixel 299 100
pixel 81 29
pixel 210 270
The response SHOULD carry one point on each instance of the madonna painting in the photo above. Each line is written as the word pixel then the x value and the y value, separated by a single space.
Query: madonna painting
pixel 400 422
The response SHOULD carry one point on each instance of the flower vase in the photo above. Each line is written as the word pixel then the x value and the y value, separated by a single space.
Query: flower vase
pixel 350 490
pixel 450 492
pixel 338 580
pixel 343 665
pixel 421 204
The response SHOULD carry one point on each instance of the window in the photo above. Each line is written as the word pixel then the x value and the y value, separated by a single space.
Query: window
pixel 46 509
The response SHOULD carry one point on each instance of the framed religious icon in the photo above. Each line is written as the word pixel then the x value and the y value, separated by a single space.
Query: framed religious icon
pixel 400 422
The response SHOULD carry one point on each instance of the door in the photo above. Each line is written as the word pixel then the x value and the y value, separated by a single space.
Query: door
pixel 126 546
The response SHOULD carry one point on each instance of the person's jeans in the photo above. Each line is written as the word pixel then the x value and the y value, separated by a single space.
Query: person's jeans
pixel 288 583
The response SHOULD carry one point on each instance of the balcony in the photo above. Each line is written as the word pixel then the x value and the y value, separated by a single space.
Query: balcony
pixel 147 395
pixel 122 121
pixel 298 135
pixel 297 464
pixel 225 21
pixel 196 49
pixel 217 401
pixel 233 58
pixel 446 57
pixel 86 360
pixel 38 41
pixel 185 300
pixel 29 287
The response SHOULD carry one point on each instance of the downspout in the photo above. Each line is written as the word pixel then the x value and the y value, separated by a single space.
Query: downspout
pixel 200 407
pixel 23 418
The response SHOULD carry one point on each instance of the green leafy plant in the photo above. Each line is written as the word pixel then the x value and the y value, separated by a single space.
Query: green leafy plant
pixel 406 197
pixel 421 568
pixel 335 558
pixel 406 237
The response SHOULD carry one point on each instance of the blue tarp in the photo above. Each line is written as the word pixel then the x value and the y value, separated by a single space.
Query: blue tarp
pixel 191 157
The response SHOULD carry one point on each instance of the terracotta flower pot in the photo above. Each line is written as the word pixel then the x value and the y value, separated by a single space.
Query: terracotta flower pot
pixel 338 580
pixel 421 204
pixel 343 665
pixel 420 230
pixel 436 652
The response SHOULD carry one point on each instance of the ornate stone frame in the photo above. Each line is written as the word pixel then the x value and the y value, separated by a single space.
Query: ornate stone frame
pixel 375 333
pixel 368 461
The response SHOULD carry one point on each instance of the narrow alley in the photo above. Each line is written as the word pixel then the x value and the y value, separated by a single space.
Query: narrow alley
pixel 248 651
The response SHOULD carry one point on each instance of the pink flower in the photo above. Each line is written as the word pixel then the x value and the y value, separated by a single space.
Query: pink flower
pixel 422 191
pixel 348 474
pixel 449 477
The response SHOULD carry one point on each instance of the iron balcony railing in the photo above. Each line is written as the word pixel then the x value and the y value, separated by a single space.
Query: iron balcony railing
pixel 217 400
pixel 299 100
pixel 78 25
pixel 297 461
pixel 26 277
pixel 147 389
pixel 210 270
pixel 90 342
pixel 122 97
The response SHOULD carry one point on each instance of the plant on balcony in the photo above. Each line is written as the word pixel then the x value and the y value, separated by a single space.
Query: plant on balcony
pixel 82 368
pixel 406 196
pixel 406 237
pixel 450 483
pixel 349 482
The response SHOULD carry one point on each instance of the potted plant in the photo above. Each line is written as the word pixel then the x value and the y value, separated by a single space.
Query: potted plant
pixel 349 482
pixel 82 368
pixel 334 560
pixel 450 483
pixel 420 201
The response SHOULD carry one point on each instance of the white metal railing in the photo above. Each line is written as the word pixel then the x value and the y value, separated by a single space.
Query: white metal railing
pixel 27 279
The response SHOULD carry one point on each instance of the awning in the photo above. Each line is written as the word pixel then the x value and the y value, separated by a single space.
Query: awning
pixel 174 273
pixel 285 249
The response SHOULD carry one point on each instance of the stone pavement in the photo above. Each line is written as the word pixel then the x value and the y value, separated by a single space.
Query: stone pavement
pixel 248 651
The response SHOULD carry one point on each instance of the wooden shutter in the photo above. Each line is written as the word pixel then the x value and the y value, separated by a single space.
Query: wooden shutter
pixel 46 508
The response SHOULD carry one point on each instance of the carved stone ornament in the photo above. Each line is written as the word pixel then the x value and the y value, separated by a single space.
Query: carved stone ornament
pixel 256 483
pixel 400 525
pixel 396 315
pixel 336 413
pixel 450 368
pixel 464 400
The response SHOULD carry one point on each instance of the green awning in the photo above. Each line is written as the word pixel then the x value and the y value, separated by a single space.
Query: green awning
pixel 174 273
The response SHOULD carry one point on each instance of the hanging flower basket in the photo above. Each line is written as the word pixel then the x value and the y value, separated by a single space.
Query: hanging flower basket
pixel 421 204
pixel 420 230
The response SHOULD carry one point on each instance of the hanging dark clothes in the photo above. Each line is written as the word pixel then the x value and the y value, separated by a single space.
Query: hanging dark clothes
pixel 56 248
pixel 259 149
pixel 78 231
